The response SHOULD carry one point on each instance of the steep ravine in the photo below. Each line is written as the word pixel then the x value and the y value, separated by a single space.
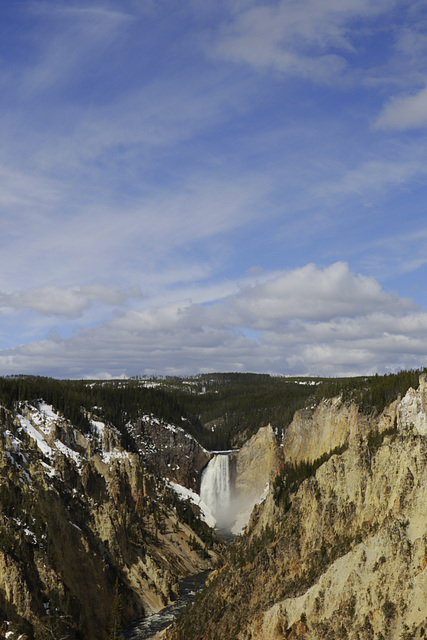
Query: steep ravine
pixel 79 511
pixel 345 554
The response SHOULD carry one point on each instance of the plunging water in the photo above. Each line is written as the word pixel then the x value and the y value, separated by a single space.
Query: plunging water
pixel 215 489
pixel 215 492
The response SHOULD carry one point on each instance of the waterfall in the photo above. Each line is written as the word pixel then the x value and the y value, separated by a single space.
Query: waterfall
pixel 215 488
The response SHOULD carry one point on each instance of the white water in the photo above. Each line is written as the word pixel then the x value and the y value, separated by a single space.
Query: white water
pixel 215 488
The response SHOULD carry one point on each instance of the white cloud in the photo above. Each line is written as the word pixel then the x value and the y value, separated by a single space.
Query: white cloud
pixel 324 322
pixel 313 294
pixel 69 302
pixel 412 41
pixel 404 112
pixel 299 39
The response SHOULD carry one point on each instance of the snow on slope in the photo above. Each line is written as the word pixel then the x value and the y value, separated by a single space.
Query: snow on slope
pixel 187 494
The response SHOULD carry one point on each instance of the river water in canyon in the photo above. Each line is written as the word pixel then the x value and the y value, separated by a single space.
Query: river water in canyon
pixel 147 627
pixel 215 491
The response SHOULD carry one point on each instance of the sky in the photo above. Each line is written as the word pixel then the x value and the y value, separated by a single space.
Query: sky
pixel 213 185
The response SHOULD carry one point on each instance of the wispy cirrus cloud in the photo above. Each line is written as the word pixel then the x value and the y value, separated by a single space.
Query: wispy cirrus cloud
pixel 404 112
pixel 71 39
pixel 377 175
pixel 307 39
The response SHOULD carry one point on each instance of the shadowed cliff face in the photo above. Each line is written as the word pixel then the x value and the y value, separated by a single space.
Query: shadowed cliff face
pixel 342 551
pixel 170 450
pixel 77 511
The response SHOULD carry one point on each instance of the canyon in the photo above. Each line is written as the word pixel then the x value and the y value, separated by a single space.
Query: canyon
pixel 328 520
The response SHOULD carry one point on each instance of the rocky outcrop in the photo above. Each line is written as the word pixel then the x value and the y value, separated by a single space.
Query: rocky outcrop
pixel 256 463
pixel 369 510
pixel 345 554
pixel 170 450
pixel 332 423
pixel 412 410
pixel 253 467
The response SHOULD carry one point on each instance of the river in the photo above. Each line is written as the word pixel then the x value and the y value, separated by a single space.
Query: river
pixel 147 627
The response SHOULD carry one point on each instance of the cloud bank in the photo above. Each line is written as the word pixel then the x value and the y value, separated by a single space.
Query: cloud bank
pixel 306 321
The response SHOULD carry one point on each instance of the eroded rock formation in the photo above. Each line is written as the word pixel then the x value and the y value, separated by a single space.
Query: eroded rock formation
pixel 337 550
pixel 79 510
pixel 170 450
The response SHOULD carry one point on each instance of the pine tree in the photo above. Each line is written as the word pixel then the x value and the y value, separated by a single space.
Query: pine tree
pixel 116 614
pixel 48 629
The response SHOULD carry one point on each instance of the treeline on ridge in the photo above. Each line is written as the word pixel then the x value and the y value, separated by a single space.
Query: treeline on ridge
pixel 221 410
pixel 115 402
pixel 236 405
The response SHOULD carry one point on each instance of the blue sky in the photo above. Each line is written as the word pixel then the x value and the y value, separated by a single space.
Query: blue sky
pixel 228 185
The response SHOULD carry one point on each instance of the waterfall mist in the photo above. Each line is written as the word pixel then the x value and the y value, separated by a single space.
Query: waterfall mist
pixel 230 509
pixel 215 489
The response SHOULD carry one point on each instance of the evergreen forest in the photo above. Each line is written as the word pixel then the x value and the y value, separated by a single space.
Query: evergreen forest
pixel 221 410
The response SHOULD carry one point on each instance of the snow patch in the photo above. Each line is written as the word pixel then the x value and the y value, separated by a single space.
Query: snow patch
pixel 98 427
pixel 68 453
pixel 115 454
pixel 187 494
pixel 36 436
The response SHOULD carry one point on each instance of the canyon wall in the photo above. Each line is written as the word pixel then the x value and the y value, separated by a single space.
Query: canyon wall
pixel 78 511
pixel 170 450
pixel 337 550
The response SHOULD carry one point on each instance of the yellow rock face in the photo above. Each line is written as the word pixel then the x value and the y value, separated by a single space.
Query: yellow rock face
pixel 256 464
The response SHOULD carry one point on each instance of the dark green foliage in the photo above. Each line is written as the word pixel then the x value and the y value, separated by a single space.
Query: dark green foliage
pixel 389 610
pixel 242 553
pixel 376 438
pixel 49 628
pixel 220 410
pixel 372 394
pixel 235 404
pixel 120 401
pixel 292 475
pixel 65 396
pixel 115 624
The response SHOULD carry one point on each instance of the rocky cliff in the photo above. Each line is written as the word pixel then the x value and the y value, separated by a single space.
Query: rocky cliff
pixel 332 423
pixel 338 549
pixel 256 463
pixel 170 450
pixel 254 466
pixel 78 511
